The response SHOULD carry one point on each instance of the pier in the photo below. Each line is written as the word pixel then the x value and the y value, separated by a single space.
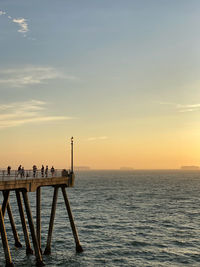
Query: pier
pixel 34 182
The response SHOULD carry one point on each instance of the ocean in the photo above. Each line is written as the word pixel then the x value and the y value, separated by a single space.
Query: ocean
pixel 124 218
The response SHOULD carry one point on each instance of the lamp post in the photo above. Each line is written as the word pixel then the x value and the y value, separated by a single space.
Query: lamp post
pixel 72 154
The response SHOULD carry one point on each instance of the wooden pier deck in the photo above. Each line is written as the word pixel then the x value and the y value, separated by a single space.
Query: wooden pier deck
pixel 31 182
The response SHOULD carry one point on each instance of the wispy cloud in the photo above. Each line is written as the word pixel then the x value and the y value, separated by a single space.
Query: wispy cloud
pixel 97 138
pixel 183 107
pixel 22 22
pixel 30 75
pixel 19 113
pixel 2 12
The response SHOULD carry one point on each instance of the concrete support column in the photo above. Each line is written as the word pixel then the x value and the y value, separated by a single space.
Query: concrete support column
pixel 71 219
pixel 38 216
pixel 32 229
pixel 5 241
pixel 23 221
pixel 6 194
pixel 6 205
pixel 50 231
pixel 14 230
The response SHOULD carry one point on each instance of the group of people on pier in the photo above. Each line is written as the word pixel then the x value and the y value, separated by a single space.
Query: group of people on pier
pixel 43 171
pixel 21 171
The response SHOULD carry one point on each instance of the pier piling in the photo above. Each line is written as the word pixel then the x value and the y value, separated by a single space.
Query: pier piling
pixel 38 216
pixel 24 225
pixel 6 194
pixel 14 230
pixel 71 219
pixel 5 241
pixel 50 231
pixel 6 205
pixel 39 261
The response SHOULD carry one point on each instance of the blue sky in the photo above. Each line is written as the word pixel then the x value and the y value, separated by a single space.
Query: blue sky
pixel 102 71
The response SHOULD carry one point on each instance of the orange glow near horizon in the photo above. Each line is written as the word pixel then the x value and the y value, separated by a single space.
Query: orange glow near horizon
pixel 147 151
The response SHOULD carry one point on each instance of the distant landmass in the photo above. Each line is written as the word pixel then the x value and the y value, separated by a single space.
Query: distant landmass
pixel 190 168
pixel 126 168
pixel 81 168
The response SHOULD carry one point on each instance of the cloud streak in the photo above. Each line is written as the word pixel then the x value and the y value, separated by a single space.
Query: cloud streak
pixel 19 113
pixel 188 108
pixel 183 108
pixel 31 75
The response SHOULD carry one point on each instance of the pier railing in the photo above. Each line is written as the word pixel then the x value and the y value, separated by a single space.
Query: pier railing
pixel 30 174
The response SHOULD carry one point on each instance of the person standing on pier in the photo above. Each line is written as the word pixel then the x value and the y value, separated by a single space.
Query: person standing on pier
pixel 34 170
pixel 8 170
pixel 52 171
pixel 42 171
pixel 22 172
pixel 19 170
pixel 46 171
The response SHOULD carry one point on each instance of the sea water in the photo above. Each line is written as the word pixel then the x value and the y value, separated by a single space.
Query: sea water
pixel 124 218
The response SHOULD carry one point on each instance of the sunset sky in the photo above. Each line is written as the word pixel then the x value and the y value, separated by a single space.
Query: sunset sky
pixel 121 76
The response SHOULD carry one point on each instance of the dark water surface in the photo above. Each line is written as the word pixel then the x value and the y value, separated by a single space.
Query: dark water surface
pixel 137 218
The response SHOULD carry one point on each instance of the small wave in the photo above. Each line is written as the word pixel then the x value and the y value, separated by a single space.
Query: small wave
pixel 139 244
pixel 182 243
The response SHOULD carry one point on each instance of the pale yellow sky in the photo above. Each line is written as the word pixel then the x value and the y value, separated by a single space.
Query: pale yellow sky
pixel 159 147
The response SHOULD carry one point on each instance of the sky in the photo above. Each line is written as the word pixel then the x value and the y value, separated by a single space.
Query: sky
pixel 120 76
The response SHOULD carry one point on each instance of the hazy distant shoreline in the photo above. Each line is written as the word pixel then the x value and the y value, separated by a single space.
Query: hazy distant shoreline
pixel 135 170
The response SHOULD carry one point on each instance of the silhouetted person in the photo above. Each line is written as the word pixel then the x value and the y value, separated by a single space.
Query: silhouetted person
pixel 42 171
pixel 8 170
pixel 46 171
pixel 22 172
pixel 34 170
pixel 19 170
pixel 52 171
pixel 64 173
